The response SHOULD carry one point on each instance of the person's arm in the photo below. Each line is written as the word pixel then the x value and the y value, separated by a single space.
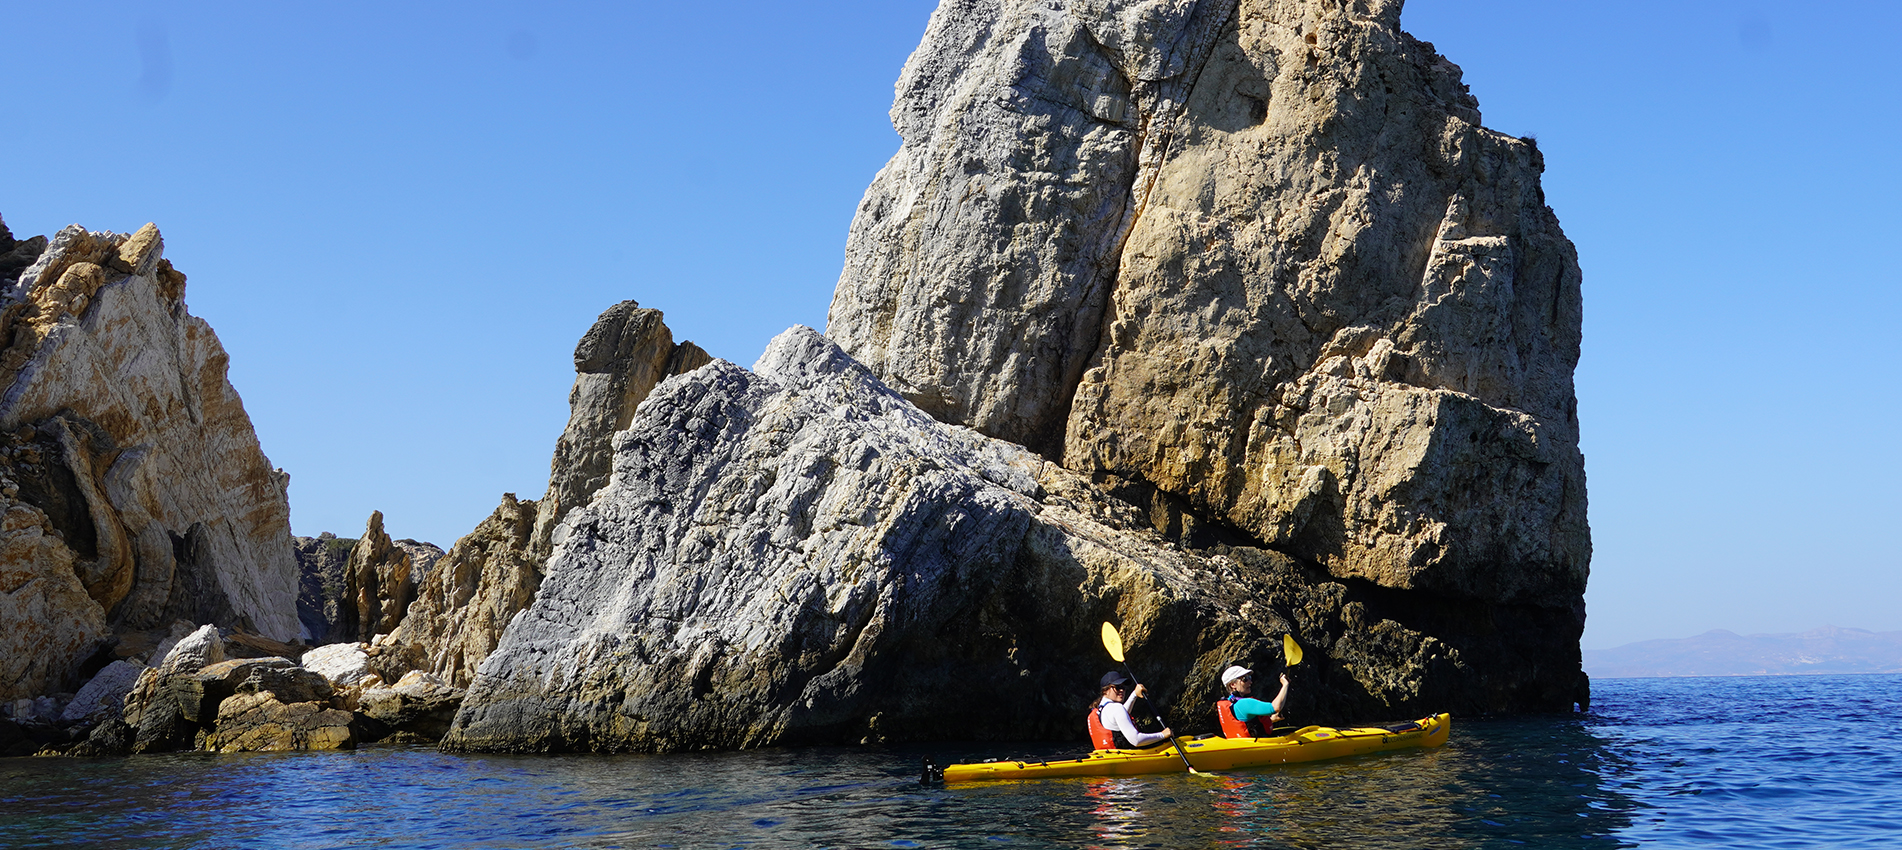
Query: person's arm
pixel 1116 716
pixel 1249 708
pixel 1281 699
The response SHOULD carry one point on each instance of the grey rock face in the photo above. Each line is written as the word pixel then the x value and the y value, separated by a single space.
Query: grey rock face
pixel 16 255
pixel 798 554
pixel 422 556
pixel 490 575
pixel 981 260
pixel 617 363
pixel 104 694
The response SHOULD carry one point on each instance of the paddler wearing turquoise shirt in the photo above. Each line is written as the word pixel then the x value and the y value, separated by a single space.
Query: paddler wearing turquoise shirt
pixel 1240 714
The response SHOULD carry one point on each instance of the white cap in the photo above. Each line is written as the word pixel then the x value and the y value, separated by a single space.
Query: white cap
pixel 1233 673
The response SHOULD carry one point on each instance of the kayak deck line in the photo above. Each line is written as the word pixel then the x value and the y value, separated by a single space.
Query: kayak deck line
pixel 1213 752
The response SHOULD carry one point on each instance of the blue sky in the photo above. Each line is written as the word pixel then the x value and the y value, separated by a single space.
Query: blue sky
pixel 399 221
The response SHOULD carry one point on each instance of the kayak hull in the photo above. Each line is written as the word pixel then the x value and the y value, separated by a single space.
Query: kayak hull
pixel 1313 743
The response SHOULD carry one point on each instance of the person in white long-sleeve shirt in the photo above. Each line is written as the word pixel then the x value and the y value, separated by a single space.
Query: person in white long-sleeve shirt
pixel 1111 727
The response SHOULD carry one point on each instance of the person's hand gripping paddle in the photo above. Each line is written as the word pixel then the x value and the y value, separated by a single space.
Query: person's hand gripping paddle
pixel 1113 642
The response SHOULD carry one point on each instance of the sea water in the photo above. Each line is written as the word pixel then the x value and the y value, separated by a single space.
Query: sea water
pixel 1722 762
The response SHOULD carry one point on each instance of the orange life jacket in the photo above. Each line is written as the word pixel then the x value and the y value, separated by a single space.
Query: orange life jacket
pixel 1102 737
pixel 1235 727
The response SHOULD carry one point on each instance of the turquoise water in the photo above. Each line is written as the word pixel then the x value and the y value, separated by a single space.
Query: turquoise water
pixel 1758 762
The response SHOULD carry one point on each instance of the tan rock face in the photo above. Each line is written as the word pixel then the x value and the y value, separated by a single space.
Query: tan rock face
pixel 50 621
pixel 1258 260
pixel 377 585
pixel 128 440
pixel 473 592
pixel 1345 321
pixel 492 573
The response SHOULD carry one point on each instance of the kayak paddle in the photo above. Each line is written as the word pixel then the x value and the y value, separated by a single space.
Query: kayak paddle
pixel 1113 642
pixel 1291 653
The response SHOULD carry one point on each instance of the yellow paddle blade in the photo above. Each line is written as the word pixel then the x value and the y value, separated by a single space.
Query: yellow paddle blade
pixel 1113 642
pixel 1288 648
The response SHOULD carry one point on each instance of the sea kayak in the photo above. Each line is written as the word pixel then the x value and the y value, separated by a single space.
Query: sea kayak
pixel 1213 752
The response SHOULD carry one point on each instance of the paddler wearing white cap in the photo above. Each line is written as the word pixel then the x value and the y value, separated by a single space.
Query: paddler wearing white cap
pixel 1240 714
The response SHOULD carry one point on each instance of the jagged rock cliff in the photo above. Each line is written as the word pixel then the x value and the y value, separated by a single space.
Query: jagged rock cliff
pixel 134 489
pixel 1256 266
pixel 492 573
pixel 324 561
pixel 797 554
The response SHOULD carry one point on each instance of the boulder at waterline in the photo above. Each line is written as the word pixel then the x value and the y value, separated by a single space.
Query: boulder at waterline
pixel 417 709
pixel 260 722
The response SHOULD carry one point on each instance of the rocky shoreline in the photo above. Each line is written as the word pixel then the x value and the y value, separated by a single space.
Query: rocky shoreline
pixel 1219 321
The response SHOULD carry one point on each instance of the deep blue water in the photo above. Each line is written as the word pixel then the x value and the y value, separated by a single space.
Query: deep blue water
pixel 1764 762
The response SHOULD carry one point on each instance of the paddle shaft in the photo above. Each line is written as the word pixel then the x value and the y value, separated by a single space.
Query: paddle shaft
pixel 1172 739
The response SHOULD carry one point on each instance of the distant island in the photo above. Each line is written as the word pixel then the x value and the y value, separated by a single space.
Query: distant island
pixel 1828 650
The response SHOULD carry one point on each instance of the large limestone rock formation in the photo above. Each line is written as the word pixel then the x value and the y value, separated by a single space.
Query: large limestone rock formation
pixel 132 486
pixel 1256 266
pixel 797 554
pixel 492 573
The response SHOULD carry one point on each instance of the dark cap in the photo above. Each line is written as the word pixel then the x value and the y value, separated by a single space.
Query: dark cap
pixel 1113 678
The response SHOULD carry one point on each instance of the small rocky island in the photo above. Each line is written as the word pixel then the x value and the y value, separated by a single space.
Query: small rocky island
pixel 1220 321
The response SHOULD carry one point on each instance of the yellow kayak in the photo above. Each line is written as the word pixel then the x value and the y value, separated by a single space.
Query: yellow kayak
pixel 1212 752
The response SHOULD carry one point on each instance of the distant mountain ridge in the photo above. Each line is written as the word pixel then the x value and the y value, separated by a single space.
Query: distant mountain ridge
pixel 1828 650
